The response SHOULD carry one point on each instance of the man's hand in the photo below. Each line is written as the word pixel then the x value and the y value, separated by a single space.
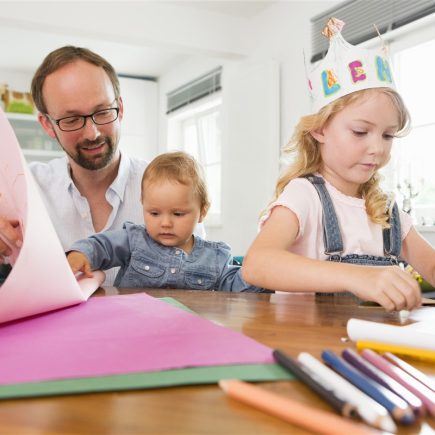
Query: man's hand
pixel 79 263
pixel 10 236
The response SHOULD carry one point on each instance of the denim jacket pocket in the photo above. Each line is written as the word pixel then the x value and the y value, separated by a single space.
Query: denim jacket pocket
pixel 199 280
pixel 143 273
pixel 147 268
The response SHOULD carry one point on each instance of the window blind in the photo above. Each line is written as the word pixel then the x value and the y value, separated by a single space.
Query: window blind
pixel 360 15
pixel 194 90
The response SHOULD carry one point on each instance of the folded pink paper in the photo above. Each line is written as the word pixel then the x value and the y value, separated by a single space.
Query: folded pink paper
pixel 116 335
pixel 41 279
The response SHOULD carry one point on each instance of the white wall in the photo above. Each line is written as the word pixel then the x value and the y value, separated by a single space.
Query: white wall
pixel 283 32
pixel 16 80
pixel 139 128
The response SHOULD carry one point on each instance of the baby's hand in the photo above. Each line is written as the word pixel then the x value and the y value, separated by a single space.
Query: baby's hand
pixel 79 263
pixel 389 286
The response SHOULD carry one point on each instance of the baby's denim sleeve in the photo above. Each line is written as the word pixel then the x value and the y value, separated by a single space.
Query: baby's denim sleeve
pixel 230 276
pixel 107 249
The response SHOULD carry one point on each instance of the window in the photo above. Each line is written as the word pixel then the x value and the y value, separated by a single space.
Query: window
pixel 196 129
pixel 411 172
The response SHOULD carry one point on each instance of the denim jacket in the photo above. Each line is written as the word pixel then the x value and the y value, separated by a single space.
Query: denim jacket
pixel 145 263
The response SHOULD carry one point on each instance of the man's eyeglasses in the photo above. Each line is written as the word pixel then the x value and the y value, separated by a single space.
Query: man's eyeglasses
pixel 76 122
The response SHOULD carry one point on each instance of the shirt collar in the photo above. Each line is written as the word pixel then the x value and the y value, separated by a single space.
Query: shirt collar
pixel 120 182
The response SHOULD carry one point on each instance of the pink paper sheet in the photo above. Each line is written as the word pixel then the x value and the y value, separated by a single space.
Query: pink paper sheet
pixel 118 334
pixel 41 279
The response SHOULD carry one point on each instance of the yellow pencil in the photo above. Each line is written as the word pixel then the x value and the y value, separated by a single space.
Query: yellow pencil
pixel 315 420
pixel 412 352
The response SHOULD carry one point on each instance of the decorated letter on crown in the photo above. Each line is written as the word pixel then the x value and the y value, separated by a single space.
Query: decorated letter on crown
pixel 346 69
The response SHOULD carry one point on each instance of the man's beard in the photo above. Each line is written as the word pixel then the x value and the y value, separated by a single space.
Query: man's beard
pixel 96 162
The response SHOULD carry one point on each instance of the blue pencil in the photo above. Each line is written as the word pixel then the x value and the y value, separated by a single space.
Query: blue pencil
pixel 382 378
pixel 395 405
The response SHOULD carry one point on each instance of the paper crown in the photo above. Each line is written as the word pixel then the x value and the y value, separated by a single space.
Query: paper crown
pixel 346 69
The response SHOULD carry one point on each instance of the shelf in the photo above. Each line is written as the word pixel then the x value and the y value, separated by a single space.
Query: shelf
pixel 42 153
pixel 22 116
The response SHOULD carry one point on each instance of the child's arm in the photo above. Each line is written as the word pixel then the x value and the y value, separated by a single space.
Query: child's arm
pixel 79 263
pixel 420 255
pixel 230 275
pixel 106 249
pixel 269 264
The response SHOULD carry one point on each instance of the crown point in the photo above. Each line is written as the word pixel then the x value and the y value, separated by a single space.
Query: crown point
pixel 333 26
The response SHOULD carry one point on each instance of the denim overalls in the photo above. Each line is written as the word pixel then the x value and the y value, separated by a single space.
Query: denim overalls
pixel 334 243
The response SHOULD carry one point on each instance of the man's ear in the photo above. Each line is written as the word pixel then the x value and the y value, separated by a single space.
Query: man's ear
pixel 121 108
pixel 318 135
pixel 46 125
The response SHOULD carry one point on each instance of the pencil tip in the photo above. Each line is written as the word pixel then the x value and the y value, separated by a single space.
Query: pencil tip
pixel 223 383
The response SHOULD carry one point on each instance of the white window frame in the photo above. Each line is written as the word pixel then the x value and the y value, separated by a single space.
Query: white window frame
pixel 414 34
pixel 175 142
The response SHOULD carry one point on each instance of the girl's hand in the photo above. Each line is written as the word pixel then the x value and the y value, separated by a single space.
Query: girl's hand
pixel 79 263
pixel 389 286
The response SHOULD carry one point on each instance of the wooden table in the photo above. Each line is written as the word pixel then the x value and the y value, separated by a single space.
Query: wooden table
pixel 292 322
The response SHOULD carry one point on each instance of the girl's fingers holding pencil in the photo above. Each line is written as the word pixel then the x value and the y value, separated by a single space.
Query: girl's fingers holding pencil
pixel 389 286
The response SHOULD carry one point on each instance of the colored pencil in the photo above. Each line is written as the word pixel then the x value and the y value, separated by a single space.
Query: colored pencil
pixel 340 405
pixel 408 368
pixel 382 378
pixel 368 409
pixel 299 414
pixel 426 395
pixel 395 405
pixel 412 352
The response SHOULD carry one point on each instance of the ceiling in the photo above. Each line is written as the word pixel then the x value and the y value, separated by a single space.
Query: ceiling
pixel 143 38
pixel 245 9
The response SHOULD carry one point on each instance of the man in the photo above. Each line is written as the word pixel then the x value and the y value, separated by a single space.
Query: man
pixel 95 187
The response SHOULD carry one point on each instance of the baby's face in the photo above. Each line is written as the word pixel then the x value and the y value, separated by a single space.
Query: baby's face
pixel 171 210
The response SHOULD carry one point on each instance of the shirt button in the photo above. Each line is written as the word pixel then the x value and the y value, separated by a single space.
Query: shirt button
pixel 199 281
pixel 147 267
pixel 178 252
pixel 173 270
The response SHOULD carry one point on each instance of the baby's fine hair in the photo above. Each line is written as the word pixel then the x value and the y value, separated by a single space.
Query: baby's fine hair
pixel 179 167
pixel 306 158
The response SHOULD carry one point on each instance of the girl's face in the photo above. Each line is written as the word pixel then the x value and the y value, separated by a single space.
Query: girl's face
pixel 357 141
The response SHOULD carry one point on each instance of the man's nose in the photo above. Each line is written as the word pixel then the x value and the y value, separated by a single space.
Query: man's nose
pixel 90 129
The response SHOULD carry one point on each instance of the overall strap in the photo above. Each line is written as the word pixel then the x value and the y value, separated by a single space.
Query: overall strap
pixel 331 229
pixel 393 236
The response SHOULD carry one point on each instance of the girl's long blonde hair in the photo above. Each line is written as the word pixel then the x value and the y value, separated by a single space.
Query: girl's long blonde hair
pixel 307 159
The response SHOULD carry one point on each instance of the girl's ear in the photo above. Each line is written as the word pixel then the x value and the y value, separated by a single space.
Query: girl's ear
pixel 318 135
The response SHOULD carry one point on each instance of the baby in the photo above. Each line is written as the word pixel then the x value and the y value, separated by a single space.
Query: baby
pixel 164 252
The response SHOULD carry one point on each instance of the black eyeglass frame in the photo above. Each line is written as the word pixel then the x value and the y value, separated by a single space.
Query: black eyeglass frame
pixel 84 117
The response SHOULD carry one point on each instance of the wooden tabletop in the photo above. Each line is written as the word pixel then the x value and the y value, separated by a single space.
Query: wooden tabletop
pixel 291 322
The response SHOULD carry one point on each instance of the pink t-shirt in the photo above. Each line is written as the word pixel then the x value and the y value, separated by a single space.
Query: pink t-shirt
pixel 360 235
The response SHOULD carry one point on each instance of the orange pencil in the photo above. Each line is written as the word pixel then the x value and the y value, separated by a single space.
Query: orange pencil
pixel 315 420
